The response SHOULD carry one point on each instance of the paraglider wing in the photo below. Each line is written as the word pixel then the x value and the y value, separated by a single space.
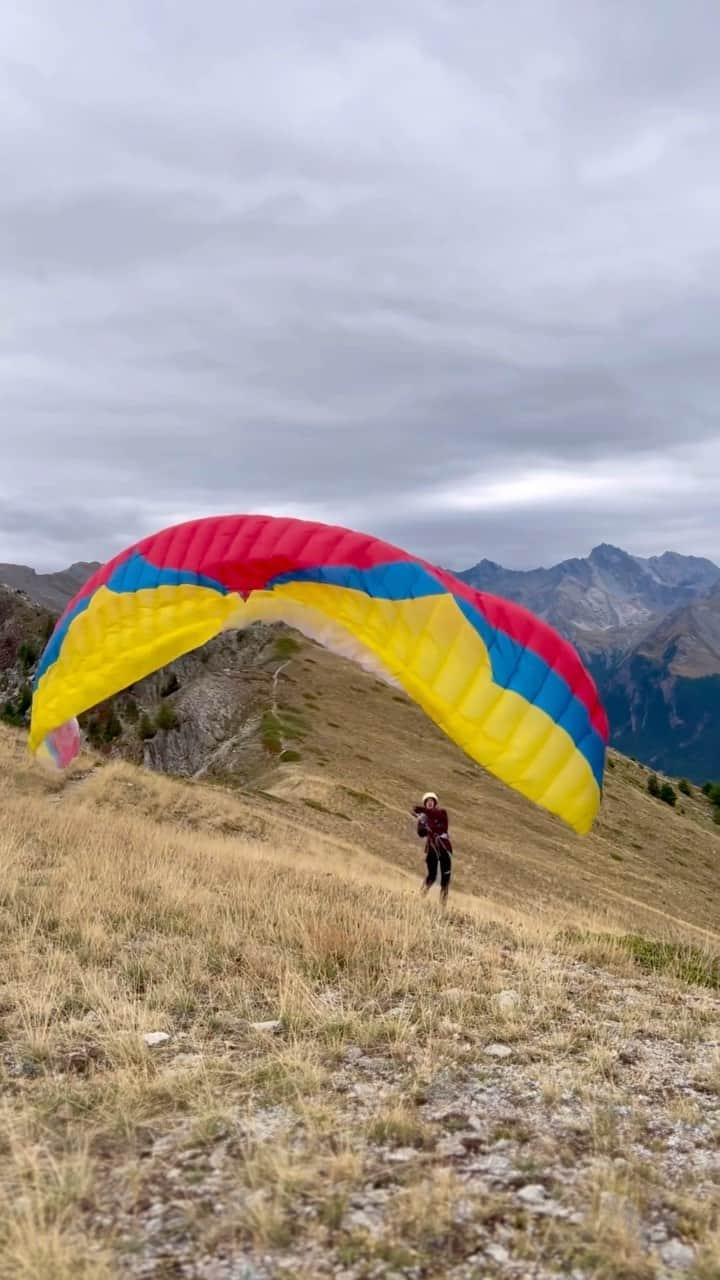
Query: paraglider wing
pixel 500 682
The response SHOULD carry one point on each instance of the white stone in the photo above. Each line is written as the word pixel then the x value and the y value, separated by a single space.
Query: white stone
pixel 449 1147
pixel 363 1221
pixel 154 1038
pixel 497 1166
pixel 533 1193
pixel 677 1255
pixel 498 1051
pixel 498 1253
pixel 273 1026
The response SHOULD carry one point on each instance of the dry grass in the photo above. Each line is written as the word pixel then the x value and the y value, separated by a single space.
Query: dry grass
pixel 131 904
pixel 646 868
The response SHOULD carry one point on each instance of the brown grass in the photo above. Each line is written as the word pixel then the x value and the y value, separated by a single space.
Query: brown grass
pixel 131 904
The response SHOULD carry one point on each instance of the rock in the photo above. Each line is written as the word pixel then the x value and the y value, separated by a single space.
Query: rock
pixel 551 1209
pixel 497 1253
pixel 401 1155
pixel 497 1167
pixel 677 1255
pixel 532 1193
pixel 363 1221
pixel 155 1038
pixel 272 1027
pixel 374 1065
pixel 507 1002
pixel 449 1147
pixel 498 1051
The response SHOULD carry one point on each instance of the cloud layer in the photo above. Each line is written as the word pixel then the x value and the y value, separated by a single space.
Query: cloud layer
pixel 445 271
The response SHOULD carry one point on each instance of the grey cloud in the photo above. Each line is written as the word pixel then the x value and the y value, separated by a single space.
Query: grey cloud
pixel 334 260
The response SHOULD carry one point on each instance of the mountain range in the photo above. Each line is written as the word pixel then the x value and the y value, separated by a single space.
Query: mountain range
pixel 648 629
pixel 50 590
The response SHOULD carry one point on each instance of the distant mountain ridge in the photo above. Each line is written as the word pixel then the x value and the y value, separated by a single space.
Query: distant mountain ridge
pixel 649 630
pixel 51 590
pixel 591 600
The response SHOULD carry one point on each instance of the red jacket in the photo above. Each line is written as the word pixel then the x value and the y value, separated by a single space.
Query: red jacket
pixel 436 820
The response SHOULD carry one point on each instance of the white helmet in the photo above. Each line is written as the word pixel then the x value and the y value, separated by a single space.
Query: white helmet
pixel 430 795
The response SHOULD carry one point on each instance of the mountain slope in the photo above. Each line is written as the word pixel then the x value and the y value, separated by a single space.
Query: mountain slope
pixel 51 590
pixel 650 633
pixel 24 631
pixel 663 700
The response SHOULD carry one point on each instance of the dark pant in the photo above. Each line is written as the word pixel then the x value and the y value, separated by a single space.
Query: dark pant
pixel 436 851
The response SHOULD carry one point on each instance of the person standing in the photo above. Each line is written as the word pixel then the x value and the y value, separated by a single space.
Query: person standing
pixel 432 826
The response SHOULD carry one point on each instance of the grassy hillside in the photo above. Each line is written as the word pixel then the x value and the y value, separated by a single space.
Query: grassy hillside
pixel 317 742
pixel 367 753
pixel 494 1090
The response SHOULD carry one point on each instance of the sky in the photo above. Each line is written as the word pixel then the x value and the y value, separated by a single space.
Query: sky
pixel 444 270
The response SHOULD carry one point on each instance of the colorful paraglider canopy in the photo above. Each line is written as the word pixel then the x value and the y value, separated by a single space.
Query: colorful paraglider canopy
pixel 499 681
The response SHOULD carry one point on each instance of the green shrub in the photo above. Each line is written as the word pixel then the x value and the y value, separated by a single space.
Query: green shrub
pixel 684 787
pixel 653 785
pixel 24 699
pixel 707 788
pixel 689 964
pixel 668 794
pixel 112 727
pixel 14 710
pixel 713 794
pixel 271 731
pixel 146 728
pixel 166 717
pixel 93 730
pixel 286 647
pixel 10 715
pixel 27 655
pixel 716 815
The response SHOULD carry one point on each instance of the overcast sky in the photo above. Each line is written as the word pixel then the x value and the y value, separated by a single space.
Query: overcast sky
pixel 445 270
